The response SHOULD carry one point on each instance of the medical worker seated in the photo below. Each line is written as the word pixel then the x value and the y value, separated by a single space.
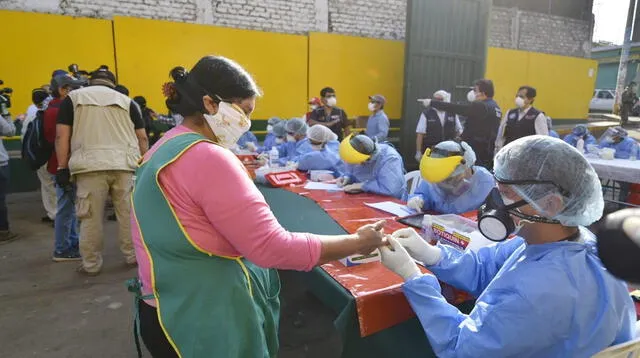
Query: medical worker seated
pixel 371 167
pixel 297 142
pixel 248 141
pixel 270 138
pixel 618 138
pixel 543 293
pixel 451 183
pixel 580 132
pixel 325 154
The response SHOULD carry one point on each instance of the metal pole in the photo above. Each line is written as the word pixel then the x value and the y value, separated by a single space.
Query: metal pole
pixel 624 55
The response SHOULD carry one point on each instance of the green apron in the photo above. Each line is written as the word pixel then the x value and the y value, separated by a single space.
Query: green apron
pixel 208 305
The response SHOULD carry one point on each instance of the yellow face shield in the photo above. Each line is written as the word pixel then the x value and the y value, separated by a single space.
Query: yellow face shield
pixel 436 170
pixel 349 154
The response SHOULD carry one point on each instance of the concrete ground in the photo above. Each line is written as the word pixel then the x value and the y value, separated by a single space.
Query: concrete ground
pixel 49 310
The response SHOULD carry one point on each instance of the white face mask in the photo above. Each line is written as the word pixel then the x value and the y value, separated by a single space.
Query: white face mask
pixel 269 128
pixel 520 102
pixel 332 101
pixel 316 147
pixel 279 140
pixel 371 106
pixel 471 96
pixel 229 124
pixel 290 138
pixel 313 107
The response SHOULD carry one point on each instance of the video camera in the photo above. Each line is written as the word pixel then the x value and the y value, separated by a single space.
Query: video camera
pixel 78 73
pixel 5 100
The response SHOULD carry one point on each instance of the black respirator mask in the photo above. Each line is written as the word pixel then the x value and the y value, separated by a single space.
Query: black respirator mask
pixel 494 217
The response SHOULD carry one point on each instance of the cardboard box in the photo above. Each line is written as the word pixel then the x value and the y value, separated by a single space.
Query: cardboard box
pixel 457 231
pixel 355 260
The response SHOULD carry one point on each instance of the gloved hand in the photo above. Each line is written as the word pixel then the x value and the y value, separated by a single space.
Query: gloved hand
pixel 417 247
pixel 63 177
pixel 416 203
pixel 418 156
pixel 293 165
pixel 425 102
pixel 353 188
pixel 397 259
pixel 252 146
pixel 342 181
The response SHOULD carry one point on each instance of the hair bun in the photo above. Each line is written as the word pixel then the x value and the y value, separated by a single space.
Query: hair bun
pixel 179 74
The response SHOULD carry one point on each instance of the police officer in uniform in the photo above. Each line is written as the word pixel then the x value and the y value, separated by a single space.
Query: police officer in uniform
pixel 629 98
pixel 483 118
pixel 435 126
pixel 522 121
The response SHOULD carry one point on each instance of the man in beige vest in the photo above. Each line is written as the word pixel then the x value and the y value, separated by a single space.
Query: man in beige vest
pixel 100 136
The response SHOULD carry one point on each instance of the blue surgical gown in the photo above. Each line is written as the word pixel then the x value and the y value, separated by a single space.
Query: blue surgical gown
pixel 269 142
pixel 547 300
pixel 247 137
pixel 382 174
pixel 553 133
pixel 623 149
pixel 438 200
pixel 378 126
pixel 573 140
pixel 291 151
pixel 326 159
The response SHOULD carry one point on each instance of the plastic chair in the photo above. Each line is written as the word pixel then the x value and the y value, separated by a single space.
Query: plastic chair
pixel 629 349
pixel 412 179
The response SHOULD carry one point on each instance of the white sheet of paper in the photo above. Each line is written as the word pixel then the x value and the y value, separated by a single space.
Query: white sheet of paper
pixel 392 208
pixel 311 185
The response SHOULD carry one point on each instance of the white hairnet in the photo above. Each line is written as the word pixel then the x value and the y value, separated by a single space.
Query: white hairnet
pixel 446 96
pixel 273 121
pixel 279 129
pixel 321 134
pixel 297 126
pixel 469 154
pixel 544 158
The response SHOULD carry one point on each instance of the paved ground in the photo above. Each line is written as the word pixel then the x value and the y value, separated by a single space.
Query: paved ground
pixel 48 310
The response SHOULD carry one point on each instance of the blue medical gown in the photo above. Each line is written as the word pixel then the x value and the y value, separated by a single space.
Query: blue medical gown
pixel 292 151
pixel 553 133
pixel 549 300
pixel 326 159
pixel 623 149
pixel 438 200
pixel 269 142
pixel 382 174
pixel 247 137
pixel 573 140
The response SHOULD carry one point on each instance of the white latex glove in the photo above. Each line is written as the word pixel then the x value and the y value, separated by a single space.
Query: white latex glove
pixel 342 181
pixel 252 146
pixel 353 188
pixel 425 101
pixel 417 247
pixel 397 259
pixel 416 203
pixel 418 156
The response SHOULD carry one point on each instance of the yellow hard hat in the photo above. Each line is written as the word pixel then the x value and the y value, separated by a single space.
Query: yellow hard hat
pixel 349 154
pixel 437 169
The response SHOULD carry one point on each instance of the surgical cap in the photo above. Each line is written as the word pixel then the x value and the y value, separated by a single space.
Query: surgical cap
pixel 273 121
pixel 620 132
pixel 469 155
pixel 321 134
pixel 297 126
pixel 544 158
pixel 580 130
pixel 363 144
pixel 279 129
pixel 446 96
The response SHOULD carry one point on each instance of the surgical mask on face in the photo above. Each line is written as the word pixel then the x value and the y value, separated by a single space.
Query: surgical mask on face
pixel 471 96
pixel 290 138
pixel 269 128
pixel 279 140
pixel 229 124
pixel 332 101
pixel 371 106
pixel 520 102
pixel 316 147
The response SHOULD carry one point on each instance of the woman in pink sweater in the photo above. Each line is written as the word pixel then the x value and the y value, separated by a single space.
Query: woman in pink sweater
pixel 206 240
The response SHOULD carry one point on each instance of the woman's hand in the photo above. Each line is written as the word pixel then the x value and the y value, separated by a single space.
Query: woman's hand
pixel 370 237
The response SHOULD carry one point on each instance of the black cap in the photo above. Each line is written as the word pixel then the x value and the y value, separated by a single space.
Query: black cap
pixel 141 101
pixel 103 77
pixel 38 95
pixel 65 80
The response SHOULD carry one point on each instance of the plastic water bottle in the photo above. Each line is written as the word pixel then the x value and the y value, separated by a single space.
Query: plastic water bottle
pixel 274 156
pixel 635 151
pixel 580 146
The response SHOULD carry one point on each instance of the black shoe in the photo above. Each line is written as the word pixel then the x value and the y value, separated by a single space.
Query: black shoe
pixel 66 256
pixel 112 217
pixel 8 236
pixel 46 219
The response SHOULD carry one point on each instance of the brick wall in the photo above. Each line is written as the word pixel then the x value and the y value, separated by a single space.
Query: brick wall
pixel 510 27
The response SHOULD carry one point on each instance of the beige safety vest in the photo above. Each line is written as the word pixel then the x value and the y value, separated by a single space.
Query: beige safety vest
pixel 103 136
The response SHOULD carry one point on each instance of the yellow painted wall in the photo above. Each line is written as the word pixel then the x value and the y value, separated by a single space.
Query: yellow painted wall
pixel 563 83
pixel 148 49
pixel 36 44
pixel 356 68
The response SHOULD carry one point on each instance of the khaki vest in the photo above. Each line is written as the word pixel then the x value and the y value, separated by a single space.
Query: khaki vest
pixel 103 136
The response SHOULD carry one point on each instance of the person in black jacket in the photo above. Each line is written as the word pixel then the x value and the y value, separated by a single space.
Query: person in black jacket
pixel 483 118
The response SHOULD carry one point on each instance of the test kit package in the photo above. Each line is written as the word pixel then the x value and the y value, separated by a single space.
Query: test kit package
pixel 355 260
pixel 456 231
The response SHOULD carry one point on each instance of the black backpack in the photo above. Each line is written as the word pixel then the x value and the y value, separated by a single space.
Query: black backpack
pixel 36 151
